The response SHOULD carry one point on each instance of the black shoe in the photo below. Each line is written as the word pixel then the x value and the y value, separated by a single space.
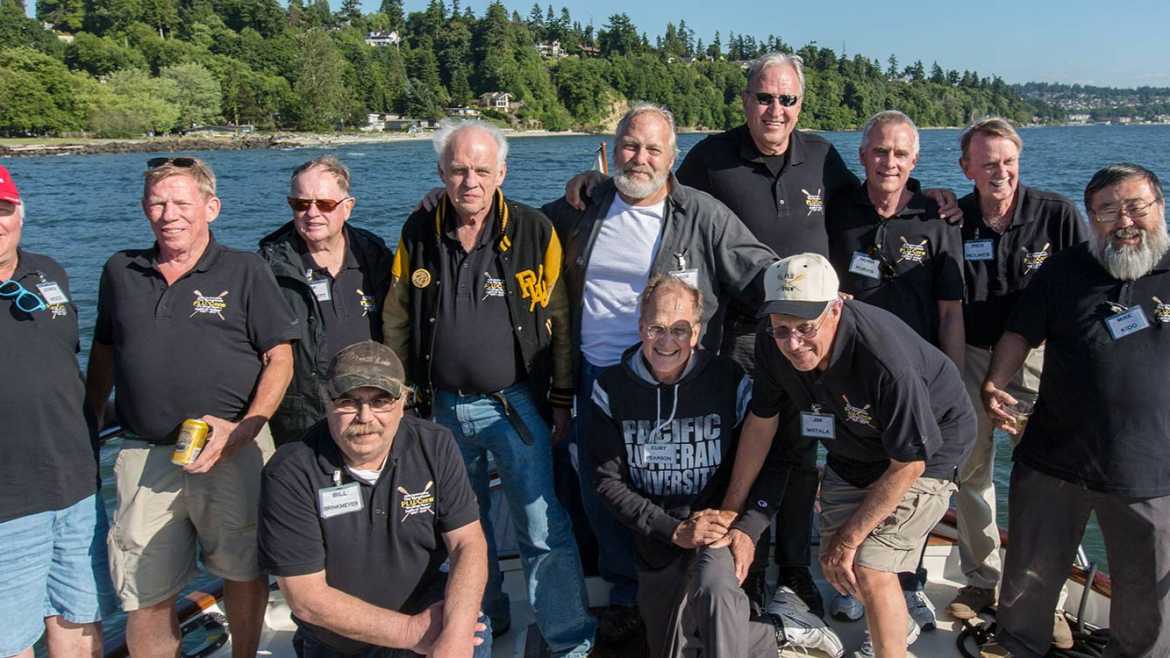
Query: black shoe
pixel 799 580
pixel 501 628
pixel 756 588
pixel 617 624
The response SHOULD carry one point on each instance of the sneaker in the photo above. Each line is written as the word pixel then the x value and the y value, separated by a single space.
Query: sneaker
pixel 970 601
pixel 846 608
pixel 1062 637
pixel 921 609
pixel 800 581
pixel 994 650
pixel 801 626
pixel 866 650
pixel 618 623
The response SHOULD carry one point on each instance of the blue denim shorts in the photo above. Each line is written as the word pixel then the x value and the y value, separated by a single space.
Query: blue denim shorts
pixel 53 563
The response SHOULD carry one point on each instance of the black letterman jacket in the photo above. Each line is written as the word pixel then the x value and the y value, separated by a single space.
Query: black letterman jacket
pixel 303 404
pixel 528 253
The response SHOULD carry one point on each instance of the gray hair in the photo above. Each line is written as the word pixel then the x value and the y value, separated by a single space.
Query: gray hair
pixel 758 66
pixel 661 282
pixel 883 118
pixel 1113 174
pixel 331 165
pixel 643 107
pixel 200 172
pixel 448 129
pixel 990 127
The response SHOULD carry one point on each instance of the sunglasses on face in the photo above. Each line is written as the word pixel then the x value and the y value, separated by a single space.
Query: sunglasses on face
pixel 182 163
pixel 323 205
pixel 785 100
pixel 26 301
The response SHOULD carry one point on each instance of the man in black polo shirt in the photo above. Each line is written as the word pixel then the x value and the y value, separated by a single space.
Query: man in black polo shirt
pixel 52 519
pixel 334 276
pixel 1009 231
pixel 477 313
pixel 891 411
pixel 1097 441
pixel 188 329
pixel 357 520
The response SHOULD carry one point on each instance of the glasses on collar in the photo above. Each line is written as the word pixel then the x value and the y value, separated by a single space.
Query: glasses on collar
pixel 25 300
pixel 765 100
pixel 876 251
pixel 1133 208
pixel 182 163
pixel 323 205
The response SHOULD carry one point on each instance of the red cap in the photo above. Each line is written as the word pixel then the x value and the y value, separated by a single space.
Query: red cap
pixel 8 191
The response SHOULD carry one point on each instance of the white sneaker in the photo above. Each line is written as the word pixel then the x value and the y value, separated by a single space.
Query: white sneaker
pixel 921 609
pixel 866 650
pixel 801 627
pixel 846 608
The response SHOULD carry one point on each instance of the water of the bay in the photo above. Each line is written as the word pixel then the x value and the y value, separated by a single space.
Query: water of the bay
pixel 80 209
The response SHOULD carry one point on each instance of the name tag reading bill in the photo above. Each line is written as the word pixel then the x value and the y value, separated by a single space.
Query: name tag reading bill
pixel 339 500
pixel 978 250
pixel 691 276
pixel 321 289
pixel 52 292
pixel 1126 323
pixel 865 266
pixel 817 426
pixel 662 454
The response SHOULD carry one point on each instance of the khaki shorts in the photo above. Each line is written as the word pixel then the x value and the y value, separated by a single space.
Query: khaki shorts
pixel 896 543
pixel 164 513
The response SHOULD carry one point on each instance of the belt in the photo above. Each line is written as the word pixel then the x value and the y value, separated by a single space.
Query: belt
pixel 510 412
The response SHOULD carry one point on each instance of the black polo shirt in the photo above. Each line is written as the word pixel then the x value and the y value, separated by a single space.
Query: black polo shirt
pixel 194 347
pixel 920 254
pixel 996 267
pixel 474 344
pixel 349 312
pixel 1103 416
pixel 891 395
pixel 388 553
pixel 46 452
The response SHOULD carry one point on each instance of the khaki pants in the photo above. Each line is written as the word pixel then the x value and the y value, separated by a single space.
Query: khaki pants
pixel 975 500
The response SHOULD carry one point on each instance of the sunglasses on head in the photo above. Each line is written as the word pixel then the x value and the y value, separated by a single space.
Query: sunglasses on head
pixel 182 163
pixel 323 205
pixel 785 100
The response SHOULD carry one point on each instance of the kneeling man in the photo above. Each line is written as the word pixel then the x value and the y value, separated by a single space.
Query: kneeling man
pixel 351 518
pixel 892 412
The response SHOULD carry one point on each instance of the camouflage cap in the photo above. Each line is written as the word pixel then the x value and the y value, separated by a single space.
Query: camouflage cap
pixel 365 364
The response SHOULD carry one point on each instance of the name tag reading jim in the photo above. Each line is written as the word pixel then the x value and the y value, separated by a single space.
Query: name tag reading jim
pixel 339 500
pixel 52 292
pixel 321 289
pixel 661 454
pixel 978 250
pixel 1126 323
pixel 817 426
pixel 865 266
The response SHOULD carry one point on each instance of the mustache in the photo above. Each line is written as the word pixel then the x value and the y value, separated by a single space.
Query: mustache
pixel 1128 232
pixel 637 169
pixel 356 429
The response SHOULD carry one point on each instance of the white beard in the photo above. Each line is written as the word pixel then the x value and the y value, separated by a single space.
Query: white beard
pixel 638 189
pixel 1130 263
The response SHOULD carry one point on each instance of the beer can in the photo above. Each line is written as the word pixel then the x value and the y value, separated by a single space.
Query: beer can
pixel 192 438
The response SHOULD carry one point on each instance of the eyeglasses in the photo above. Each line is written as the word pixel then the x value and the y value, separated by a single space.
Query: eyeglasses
pixel 887 269
pixel 380 404
pixel 786 100
pixel 29 302
pixel 680 331
pixel 323 205
pixel 182 163
pixel 804 330
pixel 1133 208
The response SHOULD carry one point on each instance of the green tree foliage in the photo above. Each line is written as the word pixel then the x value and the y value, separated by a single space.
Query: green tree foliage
pixel 198 94
pixel 100 56
pixel 325 101
pixel 65 15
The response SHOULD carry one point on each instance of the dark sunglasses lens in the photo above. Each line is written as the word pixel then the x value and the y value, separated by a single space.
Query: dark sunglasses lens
pixel 154 163
pixel 184 163
pixel 787 100
pixel 9 288
pixel 29 303
pixel 764 99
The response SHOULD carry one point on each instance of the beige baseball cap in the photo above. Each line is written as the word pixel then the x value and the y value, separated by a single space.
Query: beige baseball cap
pixel 800 286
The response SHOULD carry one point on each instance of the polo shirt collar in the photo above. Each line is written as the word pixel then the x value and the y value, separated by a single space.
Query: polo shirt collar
pixel 330 459
pixel 24 266
pixel 211 253
pixel 493 229
pixel 349 263
pixel 750 152
pixel 914 207
pixel 1019 217
pixel 846 334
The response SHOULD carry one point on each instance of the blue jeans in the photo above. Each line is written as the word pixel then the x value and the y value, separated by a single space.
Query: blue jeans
pixel 615 545
pixel 54 563
pixel 552 566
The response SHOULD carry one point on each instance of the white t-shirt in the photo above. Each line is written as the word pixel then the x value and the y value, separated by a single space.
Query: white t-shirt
pixel 619 267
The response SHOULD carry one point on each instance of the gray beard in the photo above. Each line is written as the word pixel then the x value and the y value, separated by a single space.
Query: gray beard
pixel 638 189
pixel 1131 263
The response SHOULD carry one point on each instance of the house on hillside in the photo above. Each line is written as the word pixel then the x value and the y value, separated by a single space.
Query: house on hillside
pixel 590 51
pixel 496 100
pixel 382 39
pixel 551 50
pixel 463 112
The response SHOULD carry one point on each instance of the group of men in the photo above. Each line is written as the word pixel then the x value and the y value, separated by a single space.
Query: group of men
pixel 711 325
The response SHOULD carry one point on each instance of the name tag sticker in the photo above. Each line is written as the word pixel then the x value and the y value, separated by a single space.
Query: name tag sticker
pixel 1126 323
pixel 817 426
pixel 865 266
pixel 978 250
pixel 344 499
pixel 691 277
pixel 52 292
pixel 662 454
pixel 321 289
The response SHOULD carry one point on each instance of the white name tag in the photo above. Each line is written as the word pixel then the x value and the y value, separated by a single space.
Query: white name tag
pixel 661 454
pixel 344 499
pixel 817 426
pixel 52 292
pixel 691 277
pixel 321 289
pixel 978 250
pixel 1126 323
pixel 865 266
